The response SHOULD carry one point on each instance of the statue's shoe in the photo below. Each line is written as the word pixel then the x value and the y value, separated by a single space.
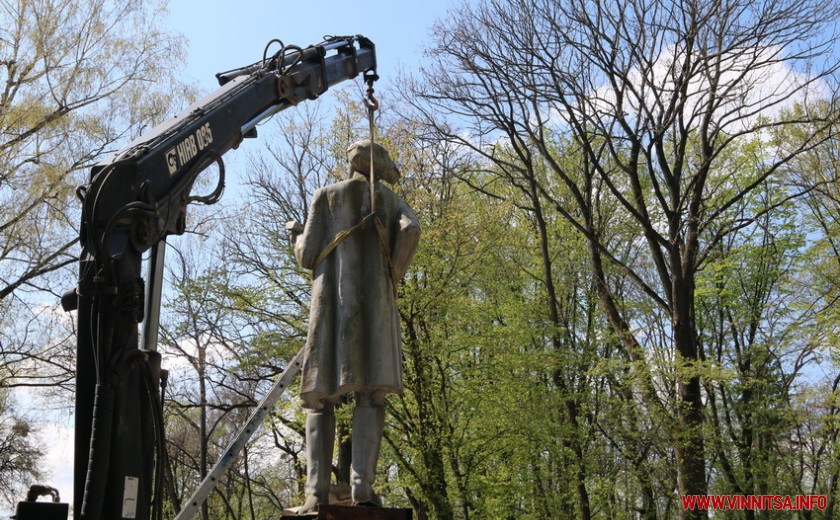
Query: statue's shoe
pixel 341 495
pixel 308 507
pixel 363 495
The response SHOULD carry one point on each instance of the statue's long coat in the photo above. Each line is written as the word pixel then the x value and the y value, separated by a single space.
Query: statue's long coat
pixel 354 335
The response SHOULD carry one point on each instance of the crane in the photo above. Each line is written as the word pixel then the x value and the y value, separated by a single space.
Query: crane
pixel 132 202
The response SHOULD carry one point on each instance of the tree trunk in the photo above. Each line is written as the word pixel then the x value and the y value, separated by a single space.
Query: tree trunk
pixel 689 445
pixel 569 403
pixel 202 425
pixel 431 443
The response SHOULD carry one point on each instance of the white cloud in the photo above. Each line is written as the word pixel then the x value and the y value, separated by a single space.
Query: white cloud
pixel 748 84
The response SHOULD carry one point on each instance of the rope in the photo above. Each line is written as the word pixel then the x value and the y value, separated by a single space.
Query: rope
pixel 341 235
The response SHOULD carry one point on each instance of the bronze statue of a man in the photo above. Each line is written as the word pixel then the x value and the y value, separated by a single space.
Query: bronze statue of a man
pixel 354 342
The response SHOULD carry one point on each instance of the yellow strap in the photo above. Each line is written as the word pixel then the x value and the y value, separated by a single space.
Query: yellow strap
pixel 380 230
pixel 383 239
pixel 341 235
pixel 372 104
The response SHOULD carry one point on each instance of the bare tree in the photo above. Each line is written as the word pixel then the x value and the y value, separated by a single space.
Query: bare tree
pixel 19 456
pixel 637 116
pixel 77 79
pixel 206 344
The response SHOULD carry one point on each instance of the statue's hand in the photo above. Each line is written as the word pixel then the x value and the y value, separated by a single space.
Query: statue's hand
pixel 293 228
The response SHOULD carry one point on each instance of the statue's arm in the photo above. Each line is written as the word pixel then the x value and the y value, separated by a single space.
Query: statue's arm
pixel 406 240
pixel 308 244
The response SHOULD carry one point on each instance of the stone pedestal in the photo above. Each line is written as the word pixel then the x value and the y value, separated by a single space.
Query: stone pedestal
pixel 353 513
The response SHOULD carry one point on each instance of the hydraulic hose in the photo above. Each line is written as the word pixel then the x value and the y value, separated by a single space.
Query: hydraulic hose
pixel 100 453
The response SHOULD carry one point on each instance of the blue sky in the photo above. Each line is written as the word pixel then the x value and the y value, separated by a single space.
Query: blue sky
pixel 223 35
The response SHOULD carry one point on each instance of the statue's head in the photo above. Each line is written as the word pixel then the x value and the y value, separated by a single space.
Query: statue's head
pixel 383 167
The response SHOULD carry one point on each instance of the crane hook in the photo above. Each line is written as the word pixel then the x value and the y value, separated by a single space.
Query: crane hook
pixel 370 101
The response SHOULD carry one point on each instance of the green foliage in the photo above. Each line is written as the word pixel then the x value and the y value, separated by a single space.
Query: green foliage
pixel 76 82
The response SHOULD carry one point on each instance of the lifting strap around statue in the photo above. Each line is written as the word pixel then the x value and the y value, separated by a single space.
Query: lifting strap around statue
pixel 372 104
pixel 383 239
pixel 338 238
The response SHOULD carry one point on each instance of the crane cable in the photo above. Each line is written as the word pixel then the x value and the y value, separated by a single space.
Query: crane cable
pixel 372 105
